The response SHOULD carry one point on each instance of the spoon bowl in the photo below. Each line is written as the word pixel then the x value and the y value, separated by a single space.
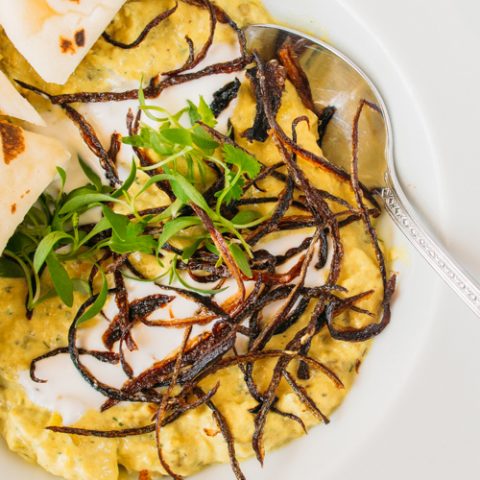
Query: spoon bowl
pixel 336 81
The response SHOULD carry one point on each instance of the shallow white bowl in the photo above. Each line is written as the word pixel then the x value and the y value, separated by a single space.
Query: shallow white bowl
pixel 398 421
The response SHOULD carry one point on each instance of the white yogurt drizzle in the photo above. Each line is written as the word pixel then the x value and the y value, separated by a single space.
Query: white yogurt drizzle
pixel 66 392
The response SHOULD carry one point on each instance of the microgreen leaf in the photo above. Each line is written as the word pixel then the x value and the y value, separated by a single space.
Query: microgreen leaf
pixel 100 227
pixel 63 176
pixel 97 305
pixel 191 249
pixel 243 160
pixel 241 259
pixel 127 236
pixel 86 200
pixel 61 281
pixel 46 246
pixel 178 136
pixel 169 212
pixel 128 182
pixel 55 222
pixel 202 112
pixel 173 227
pixel 206 114
pixel 203 140
pixel 186 192
pixel 193 113
pixel 212 248
pixel 133 242
pixel 244 217
pixel 233 190
pixel 90 174
pixel 81 286
pixel 21 244
pixel 117 222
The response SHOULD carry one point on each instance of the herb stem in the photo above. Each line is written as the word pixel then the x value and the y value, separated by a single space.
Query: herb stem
pixel 167 160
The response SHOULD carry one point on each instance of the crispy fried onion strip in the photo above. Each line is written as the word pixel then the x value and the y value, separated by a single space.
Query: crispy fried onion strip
pixel 88 135
pixel 144 33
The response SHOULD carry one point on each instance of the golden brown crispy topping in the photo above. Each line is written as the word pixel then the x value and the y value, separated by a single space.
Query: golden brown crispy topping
pixel 66 46
pixel 80 38
pixel 13 141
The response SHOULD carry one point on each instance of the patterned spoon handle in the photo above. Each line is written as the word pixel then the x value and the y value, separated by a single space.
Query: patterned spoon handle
pixel 436 255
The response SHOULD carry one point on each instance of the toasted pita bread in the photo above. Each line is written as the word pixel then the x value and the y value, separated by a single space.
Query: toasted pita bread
pixel 28 164
pixel 55 35
pixel 12 104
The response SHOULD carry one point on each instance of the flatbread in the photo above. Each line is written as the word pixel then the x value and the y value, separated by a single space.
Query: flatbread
pixel 55 35
pixel 28 164
pixel 12 104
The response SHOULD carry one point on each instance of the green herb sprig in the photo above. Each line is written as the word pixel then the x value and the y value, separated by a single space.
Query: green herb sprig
pixel 52 233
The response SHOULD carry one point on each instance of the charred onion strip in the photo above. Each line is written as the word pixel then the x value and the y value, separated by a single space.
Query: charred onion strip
pixel 224 96
pixel 143 34
pixel 317 204
pixel 106 357
pixel 119 328
pixel 84 432
pixel 293 317
pixel 180 323
pixel 276 87
pixel 302 394
pixel 206 302
pixel 267 332
pixel 363 334
pixel 224 18
pixel 207 348
pixel 74 351
pixel 324 120
pixel 264 173
pixel 247 371
pixel 300 338
pixel 193 60
pixel 227 435
pixel 162 410
pixel 142 308
pixel 358 192
pixel 203 301
pixel 290 61
pixel 88 134
pixel 228 362
pixel 155 87
pixel 284 202
pixel 261 416
pixel 263 72
pixel 222 247
pixel 115 147
pixel 91 140
pixel 134 432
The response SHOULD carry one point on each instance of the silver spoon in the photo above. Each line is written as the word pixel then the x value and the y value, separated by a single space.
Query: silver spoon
pixel 336 80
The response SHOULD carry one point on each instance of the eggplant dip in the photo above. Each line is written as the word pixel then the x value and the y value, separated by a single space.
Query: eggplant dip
pixel 185 278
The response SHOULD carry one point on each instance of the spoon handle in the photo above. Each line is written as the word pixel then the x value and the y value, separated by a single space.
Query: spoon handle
pixel 436 255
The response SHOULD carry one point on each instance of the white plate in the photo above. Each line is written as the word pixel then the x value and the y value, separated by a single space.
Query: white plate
pixel 415 411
